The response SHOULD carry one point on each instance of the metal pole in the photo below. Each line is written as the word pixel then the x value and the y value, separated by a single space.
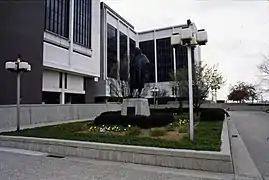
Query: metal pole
pixel 190 94
pixel 154 99
pixel 71 30
pixel 175 66
pixel 18 99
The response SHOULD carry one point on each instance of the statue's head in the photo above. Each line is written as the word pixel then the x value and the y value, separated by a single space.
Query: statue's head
pixel 138 51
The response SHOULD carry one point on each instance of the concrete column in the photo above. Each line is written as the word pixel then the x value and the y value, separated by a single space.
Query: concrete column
pixel 137 40
pixel 71 30
pixel 105 44
pixel 175 62
pixel 62 95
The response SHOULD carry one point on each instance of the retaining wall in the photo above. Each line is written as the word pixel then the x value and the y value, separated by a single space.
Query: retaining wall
pixel 37 114
pixel 228 106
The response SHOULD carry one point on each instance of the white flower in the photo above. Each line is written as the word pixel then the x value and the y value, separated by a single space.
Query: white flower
pixel 102 130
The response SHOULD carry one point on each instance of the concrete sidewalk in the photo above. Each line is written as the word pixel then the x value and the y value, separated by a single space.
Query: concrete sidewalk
pixel 21 164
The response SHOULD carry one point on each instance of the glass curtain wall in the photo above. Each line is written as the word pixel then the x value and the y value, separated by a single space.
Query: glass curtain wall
pixel 112 64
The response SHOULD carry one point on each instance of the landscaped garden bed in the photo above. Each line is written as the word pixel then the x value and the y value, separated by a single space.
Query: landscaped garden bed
pixel 164 128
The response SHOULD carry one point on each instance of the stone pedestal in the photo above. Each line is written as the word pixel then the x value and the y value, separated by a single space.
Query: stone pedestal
pixel 135 106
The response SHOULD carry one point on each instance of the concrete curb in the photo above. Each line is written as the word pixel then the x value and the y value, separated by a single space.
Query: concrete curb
pixel 175 158
pixel 244 167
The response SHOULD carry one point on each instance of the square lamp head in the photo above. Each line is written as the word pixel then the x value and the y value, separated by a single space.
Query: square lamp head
pixel 11 66
pixel 24 66
pixel 186 35
pixel 176 39
pixel 201 37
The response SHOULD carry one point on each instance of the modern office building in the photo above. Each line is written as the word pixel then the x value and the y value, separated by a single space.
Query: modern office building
pixel 78 49
pixel 60 39
pixel 117 44
pixel 156 44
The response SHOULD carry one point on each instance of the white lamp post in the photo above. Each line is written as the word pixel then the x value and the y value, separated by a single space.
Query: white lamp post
pixel 187 37
pixel 18 67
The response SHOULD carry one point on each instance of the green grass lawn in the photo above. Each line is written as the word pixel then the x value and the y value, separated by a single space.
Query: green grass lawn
pixel 207 136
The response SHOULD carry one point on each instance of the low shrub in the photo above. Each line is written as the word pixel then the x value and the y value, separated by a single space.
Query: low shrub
pixel 170 127
pixel 134 131
pixel 212 114
pixel 156 119
pixel 157 132
pixel 183 129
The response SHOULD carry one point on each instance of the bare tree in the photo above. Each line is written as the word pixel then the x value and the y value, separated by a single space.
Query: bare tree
pixel 205 78
pixel 180 86
pixel 118 88
pixel 264 69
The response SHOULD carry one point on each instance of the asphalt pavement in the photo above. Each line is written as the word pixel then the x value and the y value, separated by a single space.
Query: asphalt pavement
pixel 254 130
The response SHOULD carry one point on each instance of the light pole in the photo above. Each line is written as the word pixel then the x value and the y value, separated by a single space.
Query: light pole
pixel 18 67
pixel 189 38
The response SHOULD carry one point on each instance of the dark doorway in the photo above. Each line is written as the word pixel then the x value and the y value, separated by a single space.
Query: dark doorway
pixel 74 98
pixel 51 97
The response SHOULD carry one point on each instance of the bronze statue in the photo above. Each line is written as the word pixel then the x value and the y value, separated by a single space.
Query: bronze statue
pixel 139 67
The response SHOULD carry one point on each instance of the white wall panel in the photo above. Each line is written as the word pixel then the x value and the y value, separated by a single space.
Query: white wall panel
pixel 146 36
pixel 55 55
pixel 50 81
pixel 94 63
pixel 123 28
pixel 133 35
pixel 85 65
pixel 112 20
pixel 74 83
pixel 164 33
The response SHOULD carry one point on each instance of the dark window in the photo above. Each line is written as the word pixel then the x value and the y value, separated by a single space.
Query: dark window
pixel 74 98
pixel 84 84
pixel 57 17
pixel 147 48
pixel 112 64
pixel 61 80
pixel 192 54
pixel 181 57
pixel 65 80
pixel 51 97
pixel 164 59
pixel 82 22
pixel 132 48
pixel 123 57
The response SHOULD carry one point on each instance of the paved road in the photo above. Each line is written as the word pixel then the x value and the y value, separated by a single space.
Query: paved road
pixel 22 165
pixel 254 130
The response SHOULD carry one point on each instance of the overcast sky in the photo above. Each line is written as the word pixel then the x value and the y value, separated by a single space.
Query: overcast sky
pixel 238 30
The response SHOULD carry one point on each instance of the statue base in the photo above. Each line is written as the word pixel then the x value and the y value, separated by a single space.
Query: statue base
pixel 135 106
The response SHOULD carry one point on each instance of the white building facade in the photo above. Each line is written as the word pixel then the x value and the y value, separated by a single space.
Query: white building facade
pixel 71 59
